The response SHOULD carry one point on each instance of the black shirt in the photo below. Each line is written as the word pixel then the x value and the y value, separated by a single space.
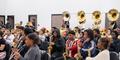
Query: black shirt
pixel 2 42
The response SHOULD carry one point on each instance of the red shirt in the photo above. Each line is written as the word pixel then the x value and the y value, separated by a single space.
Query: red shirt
pixel 72 47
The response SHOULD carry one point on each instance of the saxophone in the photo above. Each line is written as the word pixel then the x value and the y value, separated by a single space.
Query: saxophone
pixel 65 54
pixel 79 56
pixel 50 46
pixel 89 53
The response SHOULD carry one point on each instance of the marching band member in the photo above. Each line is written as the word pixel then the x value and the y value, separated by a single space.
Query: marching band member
pixel 71 44
pixel 33 52
pixel 57 43
pixel 9 37
pixel 115 45
pixel 104 54
pixel 2 47
pixel 96 35
pixel 88 44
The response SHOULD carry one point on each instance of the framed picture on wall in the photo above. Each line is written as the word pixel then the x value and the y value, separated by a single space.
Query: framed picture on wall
pixel 33 20
pixel 10 22
pixel 57 20
pixel 2 20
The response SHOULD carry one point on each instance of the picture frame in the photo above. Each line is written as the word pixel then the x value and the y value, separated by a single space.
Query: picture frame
pixel 33 19
pixel 57 20
pixel 2 20
pixel 11 21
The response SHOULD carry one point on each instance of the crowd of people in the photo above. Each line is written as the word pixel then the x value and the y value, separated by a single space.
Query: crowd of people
pixel 25 43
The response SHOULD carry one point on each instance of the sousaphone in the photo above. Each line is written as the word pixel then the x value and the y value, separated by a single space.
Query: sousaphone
pixel 66 16
pixel 81 17
pixel 113 16
pixel 96 15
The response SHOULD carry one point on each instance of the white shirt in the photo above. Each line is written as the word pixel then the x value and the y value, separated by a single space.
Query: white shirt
pixel 42 37
pixel 104 55
pixel 9 39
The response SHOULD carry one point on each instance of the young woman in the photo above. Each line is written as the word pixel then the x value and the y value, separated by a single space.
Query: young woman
pixel 2 47
pixel 33 53
pixel 57 43
pixel 88 44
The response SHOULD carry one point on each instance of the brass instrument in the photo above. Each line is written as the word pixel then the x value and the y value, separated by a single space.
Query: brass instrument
pixel 17 24
pixel 16 46
pixel 79 56
pixel 66 16
pixel 29 24
pixel 89 53
pixel 81 17
pixel 103 32
pixel 65 54
pixel 96 15
pixel 112 15
pixel 50 47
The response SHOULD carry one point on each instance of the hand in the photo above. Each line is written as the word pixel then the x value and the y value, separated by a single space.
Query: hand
pixel 52 43
pixel 68 48
pixel 65 54
pixel 17 56
pixel 50 47
pixel 76 56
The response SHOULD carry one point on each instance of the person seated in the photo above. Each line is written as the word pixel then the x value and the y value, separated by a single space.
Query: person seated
pixel 96 35
pixel 104 54
pixel 88 46
pixel 2 46
pixel 115 45
pixel 9 37
pixel 33 52
pixel 71 44
pixel 57 45
pixel 22 42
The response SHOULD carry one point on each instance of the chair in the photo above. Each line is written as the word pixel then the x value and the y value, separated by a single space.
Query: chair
pixel 114 56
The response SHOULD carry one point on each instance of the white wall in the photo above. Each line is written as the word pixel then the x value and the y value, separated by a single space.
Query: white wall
pixel 44 8
pixel 2 7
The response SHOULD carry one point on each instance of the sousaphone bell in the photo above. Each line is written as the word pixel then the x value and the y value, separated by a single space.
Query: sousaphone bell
pixel 96 15
pixel 81 17
pixel 113 16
